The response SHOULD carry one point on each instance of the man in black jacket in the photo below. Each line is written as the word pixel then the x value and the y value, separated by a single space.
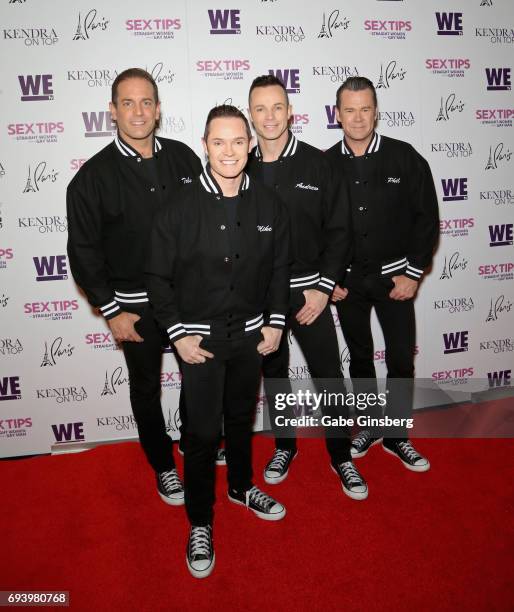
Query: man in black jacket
pixel 217 275
pixel 111 204
pixel 395 229
pixel 320 245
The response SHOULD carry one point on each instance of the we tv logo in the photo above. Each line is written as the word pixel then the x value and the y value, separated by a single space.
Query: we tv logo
pixel 68 432
pixel 501 378
pixel 225 21
pixel 456 342
pixel 10 388
pixel 98 124
pixel 449 24
pixel 332 122
pixel 498 79
pixel 36 87
pixel 454 189
pixel 290 79
pixel 501 235
pixel 50 268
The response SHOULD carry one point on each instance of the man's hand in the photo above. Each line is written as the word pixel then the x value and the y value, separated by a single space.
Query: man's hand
pixel 271 340
pixel 339 293
pixel 404 288
pixel 189 350
pixel 315 303
pixel 122 327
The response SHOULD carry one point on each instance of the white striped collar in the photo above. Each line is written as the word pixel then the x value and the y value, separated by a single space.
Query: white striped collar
pixel 211 185
pixel 373 147
pixel 288 151
pixel 126 150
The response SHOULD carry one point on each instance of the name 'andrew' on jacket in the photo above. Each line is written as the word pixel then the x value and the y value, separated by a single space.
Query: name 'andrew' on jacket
pixel 317 201
pixel 200 270
pixel 111 203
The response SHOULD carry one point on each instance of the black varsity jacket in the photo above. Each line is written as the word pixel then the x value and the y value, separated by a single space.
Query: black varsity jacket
pixel 319 212
pixel 111 203
pixel 395 214
pixel 199 272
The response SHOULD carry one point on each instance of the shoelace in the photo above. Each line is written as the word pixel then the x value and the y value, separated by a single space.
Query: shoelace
pixel 279 460
pixel 200 542
pixel 350 473
pixel 408 449
pixel 361 438
pixel 170 481
pixel 259 498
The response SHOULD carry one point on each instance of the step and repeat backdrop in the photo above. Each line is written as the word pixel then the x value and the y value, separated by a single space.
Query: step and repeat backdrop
pixel 443 72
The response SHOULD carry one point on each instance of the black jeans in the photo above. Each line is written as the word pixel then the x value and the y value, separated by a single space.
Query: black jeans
pixel 224 387
pixel 397 321
pixel 318 343
pixel 144 360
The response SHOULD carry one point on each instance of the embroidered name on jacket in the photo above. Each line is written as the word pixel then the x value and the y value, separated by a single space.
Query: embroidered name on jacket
pixel 302 186
pixel 186 179
pixel 393 179
pixel 264 228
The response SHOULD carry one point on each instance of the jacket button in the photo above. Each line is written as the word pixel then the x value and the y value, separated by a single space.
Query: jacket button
pixel 222 227
pixel 152 188
pixel 138 159
pixel 361 207
pixel 226 259
pixel 357 182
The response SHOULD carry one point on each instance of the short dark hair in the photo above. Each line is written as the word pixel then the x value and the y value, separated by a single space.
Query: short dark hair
pixel 133 73
pixel 356 83
pixel 226 111
pixel 266 80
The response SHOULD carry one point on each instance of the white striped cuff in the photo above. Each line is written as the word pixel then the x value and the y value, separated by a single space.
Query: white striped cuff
pixel 131 298
pixel 326 283
pixel 414 273
pixel 254 323
pixel 177 331
pixel 399 264
pixel 110 310
pixel 277 320
pixel 304 281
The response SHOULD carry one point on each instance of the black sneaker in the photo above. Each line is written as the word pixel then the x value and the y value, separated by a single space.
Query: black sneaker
pixel 220 456
pixel 352 482
pixel 264 506
pixel 170 488
pixel 408 455
pixel 200 557
pixel 278 466
pixel 362 443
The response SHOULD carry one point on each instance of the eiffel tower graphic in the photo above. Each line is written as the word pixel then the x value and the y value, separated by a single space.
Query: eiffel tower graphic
pixel 28 184
pixel 486 3
pixel 444 273
pixel 323 32
pixel 106 390
pixel 79 35
pixel 381 84
pixel 46 360
pixel 441 116
pixel 490 165
pixel 491 316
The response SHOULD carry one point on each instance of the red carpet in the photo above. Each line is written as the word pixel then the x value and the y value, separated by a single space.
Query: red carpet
pixel 93 524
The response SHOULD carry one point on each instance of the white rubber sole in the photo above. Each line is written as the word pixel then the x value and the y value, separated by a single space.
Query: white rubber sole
pixel 201 573
pixel 351 494
pixel 356 455
pixel 178 501
pixel 278 479
pixel 265 517
pixel 412 468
